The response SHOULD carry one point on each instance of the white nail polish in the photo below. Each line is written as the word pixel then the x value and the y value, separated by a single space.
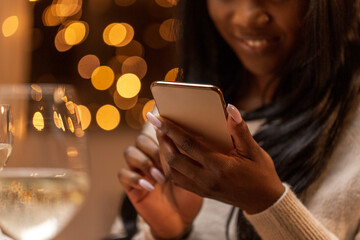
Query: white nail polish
pixel 153 120
pixel 146 185
pixel 157 175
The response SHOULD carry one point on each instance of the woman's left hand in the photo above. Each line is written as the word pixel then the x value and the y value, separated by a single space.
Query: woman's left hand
pixel 245 177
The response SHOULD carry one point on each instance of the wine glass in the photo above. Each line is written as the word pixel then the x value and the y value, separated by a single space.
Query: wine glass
pixel 5 135
pixel 46 179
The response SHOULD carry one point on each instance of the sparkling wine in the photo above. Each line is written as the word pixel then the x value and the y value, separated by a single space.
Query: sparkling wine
pixel 38 203
pixel 5 151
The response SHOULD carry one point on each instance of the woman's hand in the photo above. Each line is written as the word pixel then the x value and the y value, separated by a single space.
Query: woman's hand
pixel 244 177
pixel 168 209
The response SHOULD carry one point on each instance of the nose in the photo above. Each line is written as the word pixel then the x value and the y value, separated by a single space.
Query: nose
pixel 250 14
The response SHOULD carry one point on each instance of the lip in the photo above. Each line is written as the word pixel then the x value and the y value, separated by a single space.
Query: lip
pixel 258 44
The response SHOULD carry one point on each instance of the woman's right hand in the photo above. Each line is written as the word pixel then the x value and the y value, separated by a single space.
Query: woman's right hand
pixel 168 209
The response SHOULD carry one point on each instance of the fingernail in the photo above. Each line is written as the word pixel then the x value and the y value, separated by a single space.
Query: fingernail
pixel 234 113
pixel 153 120
pixel 157 175
pixel 146 185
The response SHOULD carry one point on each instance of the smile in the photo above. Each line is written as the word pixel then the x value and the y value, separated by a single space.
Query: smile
pixel 258 45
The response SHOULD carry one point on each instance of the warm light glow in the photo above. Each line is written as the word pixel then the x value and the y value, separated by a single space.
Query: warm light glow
pixel 134 48
pixel 36 92
pixel 60 43
pixel 167 30
pixel 134 117
pixel 59 94
pixel 172 75
pixel 67 8
pixel 71 125
pixel 108 117
pixel 128 37
pixel 124 103
pixel 10 26
pixel 85 116
pixel 49 18
pixel 135 65
pixel 152 37
pixel 102 78
pixel 75 33
pixel 114 34
pixel 148 107
pixel 124 3
pixel 38 121
pixel 166 3
pixel 57 122
pixel 128 85
pixel 72 152
pixel 87 65
pixel 70 107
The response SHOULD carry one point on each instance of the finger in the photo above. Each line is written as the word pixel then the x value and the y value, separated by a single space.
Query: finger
pixel 244 142
pixel 182 181
pixel 185 141
pixel 139 161
pixel 130 180
pixel 148 146
pixel 175 159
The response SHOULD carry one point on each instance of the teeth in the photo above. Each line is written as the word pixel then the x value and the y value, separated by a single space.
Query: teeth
pixel 255 43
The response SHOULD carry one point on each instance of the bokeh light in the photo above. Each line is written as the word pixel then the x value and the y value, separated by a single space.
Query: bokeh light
pixel 152 37
pixel 102 77
pixel 166 3
pixel 136 65
pixel 108 117
pixel 124 3
pixel 67 8
pixel 124 103
pixel 60 43
pixel 167 30
pixel 71 125
pixel 172 75
pixel 36 92
pixel 75 33
pixel 38 121
pixel 10 26
pixel 49 18
pixel 128 85
pixel 114 34
pixel 134 116
pixel 85 116
pixel 87 65
pixel 148 107
pixel 128 37
pixel 134 48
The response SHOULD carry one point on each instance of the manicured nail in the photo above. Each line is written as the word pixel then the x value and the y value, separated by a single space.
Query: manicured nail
pixel 146 185
pixel 234 113
pixel 157 175
pixel 153 120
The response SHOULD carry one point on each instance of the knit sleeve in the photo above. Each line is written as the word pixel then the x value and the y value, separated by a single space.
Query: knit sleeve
pixel 288 219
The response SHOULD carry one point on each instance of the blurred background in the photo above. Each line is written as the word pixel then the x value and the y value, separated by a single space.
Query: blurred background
pixel 110 51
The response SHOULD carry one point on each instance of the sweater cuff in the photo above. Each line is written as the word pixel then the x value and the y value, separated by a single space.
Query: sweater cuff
pixel 288 218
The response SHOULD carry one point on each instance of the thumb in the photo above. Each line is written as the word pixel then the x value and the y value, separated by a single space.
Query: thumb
pixel 243 140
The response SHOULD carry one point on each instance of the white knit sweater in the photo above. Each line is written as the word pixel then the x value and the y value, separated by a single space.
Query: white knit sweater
pixel 329 209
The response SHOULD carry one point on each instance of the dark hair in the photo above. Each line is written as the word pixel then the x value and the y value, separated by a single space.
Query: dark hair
pixel 317 87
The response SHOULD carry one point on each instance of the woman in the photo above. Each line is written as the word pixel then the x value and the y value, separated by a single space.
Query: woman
pixel 292 65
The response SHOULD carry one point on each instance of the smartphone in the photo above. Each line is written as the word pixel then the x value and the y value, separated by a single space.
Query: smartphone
pixel 199 108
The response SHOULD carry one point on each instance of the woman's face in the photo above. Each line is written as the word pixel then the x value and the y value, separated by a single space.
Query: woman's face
pixel 262 33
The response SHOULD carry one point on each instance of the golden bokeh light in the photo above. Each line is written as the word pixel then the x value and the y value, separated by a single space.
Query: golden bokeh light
pixel 85 116
pixel 167 30
pixel 67 8
pixel 10 26
pixel 134 48
pixel 59 94
pixel 36 92
pixel 172 75
pixel 136 65
pixel 166 3
pixel 108 117
pixel 75 33
pixel 124 103
pixel 70 124
pixel 128 85
pixel 72 152
pixel 148 107
pixel 87 65
pixel 57 122
pixel 114 34
pixel 152 37
pixel 70 107
pixel 128 37
pixel 102 78
pixel 38 121
pixel 49 18
pixel 60 43
pixel 124 3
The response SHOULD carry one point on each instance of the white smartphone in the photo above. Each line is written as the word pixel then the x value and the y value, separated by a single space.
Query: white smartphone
pixel 199 108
